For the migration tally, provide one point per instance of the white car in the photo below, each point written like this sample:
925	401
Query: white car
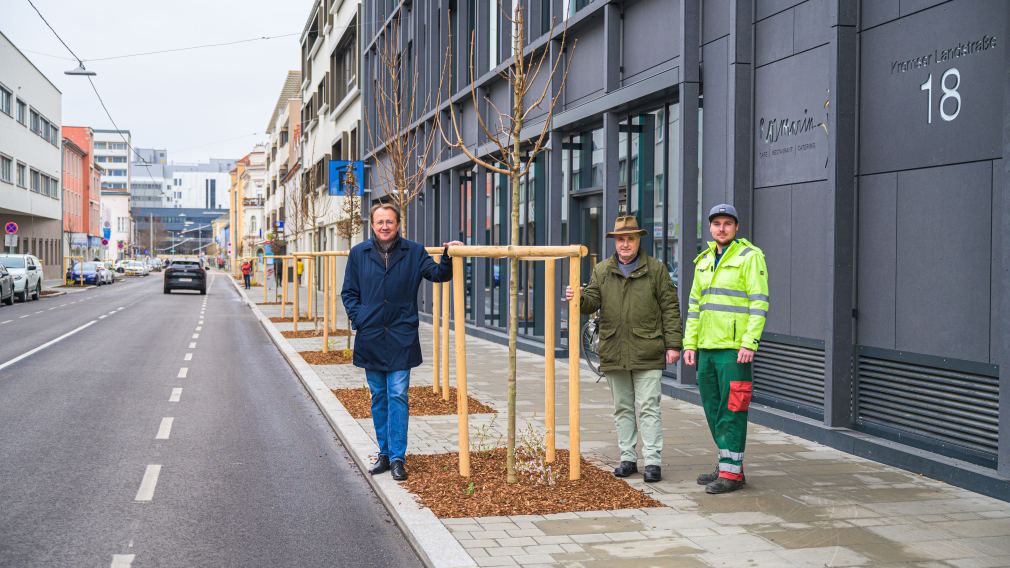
27	272
135	268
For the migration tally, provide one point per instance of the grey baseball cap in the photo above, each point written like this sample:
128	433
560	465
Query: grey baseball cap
723	209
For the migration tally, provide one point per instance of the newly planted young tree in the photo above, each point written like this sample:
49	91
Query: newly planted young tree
514	155
350	222
404	150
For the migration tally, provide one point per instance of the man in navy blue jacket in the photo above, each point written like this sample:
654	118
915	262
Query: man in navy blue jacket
380	296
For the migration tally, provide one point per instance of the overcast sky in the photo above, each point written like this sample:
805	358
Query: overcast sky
199	104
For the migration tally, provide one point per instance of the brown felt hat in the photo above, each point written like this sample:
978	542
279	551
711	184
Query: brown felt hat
626	225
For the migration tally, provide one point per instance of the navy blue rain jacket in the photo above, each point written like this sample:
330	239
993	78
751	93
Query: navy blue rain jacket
382	302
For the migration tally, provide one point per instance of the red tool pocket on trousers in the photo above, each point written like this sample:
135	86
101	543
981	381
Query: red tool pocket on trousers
739	395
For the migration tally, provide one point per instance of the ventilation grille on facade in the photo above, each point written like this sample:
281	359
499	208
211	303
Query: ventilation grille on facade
952	407
791	373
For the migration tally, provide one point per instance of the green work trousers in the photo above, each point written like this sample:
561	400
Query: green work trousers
725	387
643	388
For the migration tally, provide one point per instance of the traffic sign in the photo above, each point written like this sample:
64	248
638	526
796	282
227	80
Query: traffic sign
120	245
105	242
11	228
10	240
107	225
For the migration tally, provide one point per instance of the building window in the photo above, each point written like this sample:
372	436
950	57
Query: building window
6	165
493	45
5	100
36	181
22	112
22	175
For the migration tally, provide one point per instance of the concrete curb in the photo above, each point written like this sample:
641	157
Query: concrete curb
432	541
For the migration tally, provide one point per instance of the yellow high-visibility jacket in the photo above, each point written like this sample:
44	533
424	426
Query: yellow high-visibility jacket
729	302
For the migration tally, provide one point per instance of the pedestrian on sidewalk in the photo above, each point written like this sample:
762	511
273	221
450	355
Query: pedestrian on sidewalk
639	335
726	315
381	281
247	273
299	266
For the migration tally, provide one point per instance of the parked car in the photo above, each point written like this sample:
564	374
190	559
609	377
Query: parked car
111	269
185	275
86	272
155	264
6	286
27	272
135	268
105	275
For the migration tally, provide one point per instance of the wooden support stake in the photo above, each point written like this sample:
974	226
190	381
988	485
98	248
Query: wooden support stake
310	285
326	305
549	323
264	269
295	304
462	412
574	435
436	324
445	341
284	284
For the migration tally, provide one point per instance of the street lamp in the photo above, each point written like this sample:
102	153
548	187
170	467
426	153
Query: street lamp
80	71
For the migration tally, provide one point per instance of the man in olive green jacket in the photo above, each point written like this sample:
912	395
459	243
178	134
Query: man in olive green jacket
639	335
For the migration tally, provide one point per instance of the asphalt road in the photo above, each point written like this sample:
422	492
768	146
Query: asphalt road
157	430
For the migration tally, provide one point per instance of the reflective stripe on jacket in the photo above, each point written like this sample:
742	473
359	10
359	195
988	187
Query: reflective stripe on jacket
729	302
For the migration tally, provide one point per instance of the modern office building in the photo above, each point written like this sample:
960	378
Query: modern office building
863	142
112	153
31	158
175	230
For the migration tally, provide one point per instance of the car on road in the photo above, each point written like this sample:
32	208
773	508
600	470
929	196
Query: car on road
185	275
86	272
27	272
135	268
6	286
155	264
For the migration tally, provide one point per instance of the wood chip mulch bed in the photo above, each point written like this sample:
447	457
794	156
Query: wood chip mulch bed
268	303
435	481
310	333
423	402
334	357
278	319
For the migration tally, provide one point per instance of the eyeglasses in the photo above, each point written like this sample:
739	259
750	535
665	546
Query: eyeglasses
385	223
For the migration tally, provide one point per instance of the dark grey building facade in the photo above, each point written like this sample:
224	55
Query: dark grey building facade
865	144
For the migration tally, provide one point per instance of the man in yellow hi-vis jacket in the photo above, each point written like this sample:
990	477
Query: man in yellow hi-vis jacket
726	315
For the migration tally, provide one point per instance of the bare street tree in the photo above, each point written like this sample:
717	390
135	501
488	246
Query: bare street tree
513	155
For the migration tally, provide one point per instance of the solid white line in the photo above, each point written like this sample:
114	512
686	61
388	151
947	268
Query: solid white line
183	372
188	357
39	312
46	344
6	321
165	430
103	316
176	395
61	305
122	560
112	312
196	336
52	308
192	345
24	316
147	485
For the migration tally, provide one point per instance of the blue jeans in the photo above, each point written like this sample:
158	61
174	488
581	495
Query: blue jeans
389	411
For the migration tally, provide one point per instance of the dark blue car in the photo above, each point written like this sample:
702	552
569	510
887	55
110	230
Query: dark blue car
91	275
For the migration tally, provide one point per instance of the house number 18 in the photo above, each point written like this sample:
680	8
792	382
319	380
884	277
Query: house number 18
948	94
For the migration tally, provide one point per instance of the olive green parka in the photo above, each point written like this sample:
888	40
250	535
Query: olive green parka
639	315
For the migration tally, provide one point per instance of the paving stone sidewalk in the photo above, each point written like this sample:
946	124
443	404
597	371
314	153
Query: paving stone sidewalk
805	505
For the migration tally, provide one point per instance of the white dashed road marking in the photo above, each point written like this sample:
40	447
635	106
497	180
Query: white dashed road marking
188	357
183	372
199	328
122	560
103	316
196	336
192	345
176	395
165	430
147	485
7	321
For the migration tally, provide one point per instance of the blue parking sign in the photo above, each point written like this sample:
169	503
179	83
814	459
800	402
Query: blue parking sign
338	171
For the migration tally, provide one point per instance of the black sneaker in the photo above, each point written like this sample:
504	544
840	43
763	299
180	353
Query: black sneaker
652	474
706	478
723	485
625	469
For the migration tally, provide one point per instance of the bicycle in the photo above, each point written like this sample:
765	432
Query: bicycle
590	337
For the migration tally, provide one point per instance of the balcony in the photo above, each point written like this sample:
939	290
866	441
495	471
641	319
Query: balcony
252	201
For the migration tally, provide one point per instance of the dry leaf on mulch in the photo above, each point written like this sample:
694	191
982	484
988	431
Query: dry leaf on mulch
435	481
278	319
310	333
423	402
334	357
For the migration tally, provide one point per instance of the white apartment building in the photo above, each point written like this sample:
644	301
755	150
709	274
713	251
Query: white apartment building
200	186
283	153
31	158
330	117
112	152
